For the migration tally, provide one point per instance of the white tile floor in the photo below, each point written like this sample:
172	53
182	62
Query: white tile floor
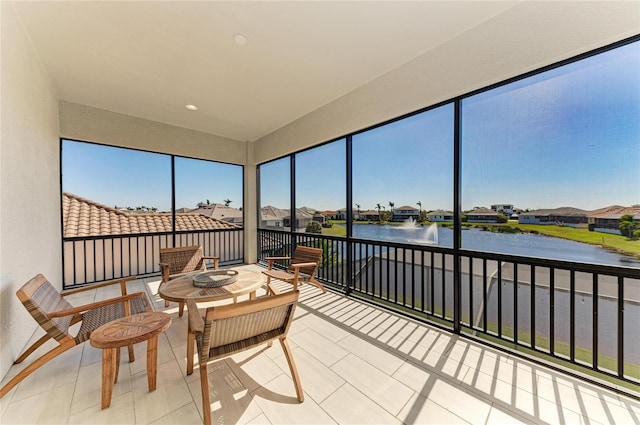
357	364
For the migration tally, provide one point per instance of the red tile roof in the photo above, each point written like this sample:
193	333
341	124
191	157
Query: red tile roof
82	217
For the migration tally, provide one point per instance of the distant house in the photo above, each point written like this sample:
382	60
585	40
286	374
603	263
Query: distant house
404	213
330	215
342	214
440	216
272	217
607	220
370	215
506	209
565	216
482	215
221	212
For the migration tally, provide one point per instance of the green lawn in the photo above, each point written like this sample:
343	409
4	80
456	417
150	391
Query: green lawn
615	242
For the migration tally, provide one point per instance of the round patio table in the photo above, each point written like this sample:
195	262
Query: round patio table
181	288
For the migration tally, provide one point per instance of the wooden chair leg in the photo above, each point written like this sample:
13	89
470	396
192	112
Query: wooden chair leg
292	367
318	284
34	347
34	366
191	340
132	357
206	403
181	310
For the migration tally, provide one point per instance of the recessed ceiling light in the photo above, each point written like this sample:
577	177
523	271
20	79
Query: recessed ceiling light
240	39
191	107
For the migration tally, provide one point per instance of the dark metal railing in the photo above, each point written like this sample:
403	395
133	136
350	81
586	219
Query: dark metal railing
583	314
99	258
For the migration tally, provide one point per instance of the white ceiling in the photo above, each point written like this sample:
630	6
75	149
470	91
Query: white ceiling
150	59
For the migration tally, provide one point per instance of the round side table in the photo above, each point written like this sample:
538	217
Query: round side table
125	331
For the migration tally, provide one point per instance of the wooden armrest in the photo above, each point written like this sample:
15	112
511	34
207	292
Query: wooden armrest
122	281
298	265
163	264
210	258
196	324
272	290
83	308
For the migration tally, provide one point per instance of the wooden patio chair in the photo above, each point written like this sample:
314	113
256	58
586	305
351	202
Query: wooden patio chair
232	328
56	315
178	261
302	268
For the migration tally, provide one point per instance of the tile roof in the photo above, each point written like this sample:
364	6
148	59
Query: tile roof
562	211
617	212
82	217
482	211
218	211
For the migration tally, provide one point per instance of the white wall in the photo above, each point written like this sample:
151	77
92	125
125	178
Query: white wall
88	124
30	239
533	34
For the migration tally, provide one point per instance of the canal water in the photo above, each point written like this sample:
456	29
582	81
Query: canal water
526	244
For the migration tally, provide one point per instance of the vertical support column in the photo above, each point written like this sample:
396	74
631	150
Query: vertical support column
251	208
173	200
292	207
350	254
457	220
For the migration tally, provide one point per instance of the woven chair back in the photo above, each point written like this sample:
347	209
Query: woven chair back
40	299
233	328
305	254
183	259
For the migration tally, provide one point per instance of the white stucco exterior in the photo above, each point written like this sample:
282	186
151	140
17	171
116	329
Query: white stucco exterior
30	236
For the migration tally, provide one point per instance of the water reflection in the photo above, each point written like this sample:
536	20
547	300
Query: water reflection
525	244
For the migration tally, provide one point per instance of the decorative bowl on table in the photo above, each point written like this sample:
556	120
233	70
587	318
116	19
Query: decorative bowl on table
215	278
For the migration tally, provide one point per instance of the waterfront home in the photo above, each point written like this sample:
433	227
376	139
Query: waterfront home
404	213
370	215
565	216
506	209
342	214
440	216
607	220
482	215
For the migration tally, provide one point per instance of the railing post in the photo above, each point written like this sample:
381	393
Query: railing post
348	279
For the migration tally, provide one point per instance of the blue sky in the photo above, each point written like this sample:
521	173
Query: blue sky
130	178
568	137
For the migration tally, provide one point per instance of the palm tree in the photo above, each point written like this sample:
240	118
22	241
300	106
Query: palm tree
358	207
419	204
227	202
378	208
391	205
